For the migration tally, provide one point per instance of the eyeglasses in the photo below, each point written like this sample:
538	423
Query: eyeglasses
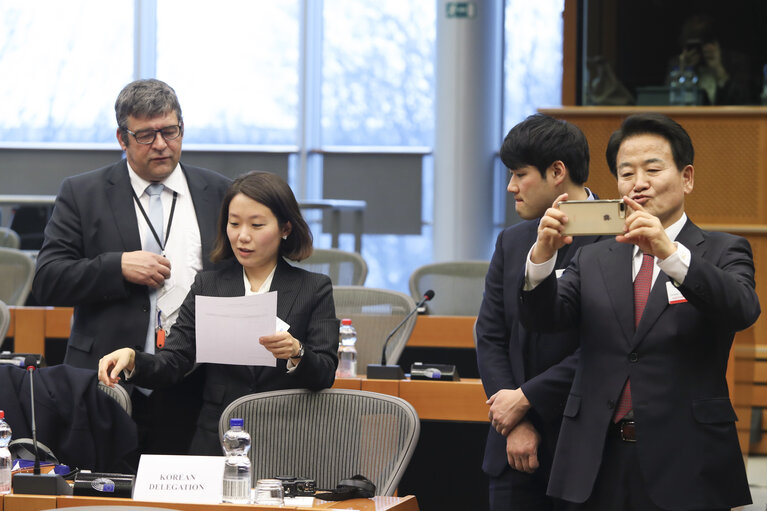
146	137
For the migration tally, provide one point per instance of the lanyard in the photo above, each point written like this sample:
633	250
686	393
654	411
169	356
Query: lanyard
149	223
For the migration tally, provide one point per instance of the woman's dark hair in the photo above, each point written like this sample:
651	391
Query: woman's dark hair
274	193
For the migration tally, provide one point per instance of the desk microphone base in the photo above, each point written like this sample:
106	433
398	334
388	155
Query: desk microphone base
385	372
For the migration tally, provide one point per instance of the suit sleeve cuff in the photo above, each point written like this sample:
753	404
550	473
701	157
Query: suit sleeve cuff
537	273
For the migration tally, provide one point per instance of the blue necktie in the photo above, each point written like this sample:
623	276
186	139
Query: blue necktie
150	244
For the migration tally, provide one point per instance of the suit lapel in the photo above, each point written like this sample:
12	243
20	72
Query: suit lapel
518	344
566	253
286	282
205	206
691	237
120	200
616	271
231	281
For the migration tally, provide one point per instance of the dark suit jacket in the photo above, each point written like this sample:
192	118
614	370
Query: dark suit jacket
93	223
687	445
304	301
509	356
84	427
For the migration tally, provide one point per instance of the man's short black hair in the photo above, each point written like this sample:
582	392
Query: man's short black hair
540	140
652	124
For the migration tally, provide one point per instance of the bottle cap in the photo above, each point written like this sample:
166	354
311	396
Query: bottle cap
346	321
234	423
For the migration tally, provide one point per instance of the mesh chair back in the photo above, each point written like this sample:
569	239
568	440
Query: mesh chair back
119	394
328	435
343	268
16	273
458	286
374	314
5	320
9	238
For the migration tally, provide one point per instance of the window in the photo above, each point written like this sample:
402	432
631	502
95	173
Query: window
62	64
533	58
237	68
378	89
234	68
378	73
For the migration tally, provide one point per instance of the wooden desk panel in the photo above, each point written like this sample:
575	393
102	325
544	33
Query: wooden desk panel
30	326
40	502
443	332
35	324
447	400
462	401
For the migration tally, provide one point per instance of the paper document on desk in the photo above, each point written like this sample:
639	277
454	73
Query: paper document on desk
228	328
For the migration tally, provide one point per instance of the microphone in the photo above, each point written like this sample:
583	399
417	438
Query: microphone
31	365
37	483
394	372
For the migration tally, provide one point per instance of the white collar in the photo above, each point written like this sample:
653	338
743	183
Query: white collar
174	182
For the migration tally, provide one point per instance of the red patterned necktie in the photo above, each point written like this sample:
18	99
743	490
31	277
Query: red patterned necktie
642	285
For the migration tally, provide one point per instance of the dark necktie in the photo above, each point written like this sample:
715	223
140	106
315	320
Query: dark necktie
642	285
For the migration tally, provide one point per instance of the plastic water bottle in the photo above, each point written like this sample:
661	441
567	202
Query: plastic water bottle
675	84
347	350
5	455
690	86
237	466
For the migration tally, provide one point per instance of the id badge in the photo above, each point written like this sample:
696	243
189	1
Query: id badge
170	299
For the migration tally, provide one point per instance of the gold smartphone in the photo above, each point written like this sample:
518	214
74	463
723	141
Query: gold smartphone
590	217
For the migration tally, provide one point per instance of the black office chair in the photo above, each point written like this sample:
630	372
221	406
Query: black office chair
29	223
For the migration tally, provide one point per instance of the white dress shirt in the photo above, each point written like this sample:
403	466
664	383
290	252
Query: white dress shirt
184	245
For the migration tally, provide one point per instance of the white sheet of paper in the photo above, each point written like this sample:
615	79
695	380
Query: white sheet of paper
191	479
228	328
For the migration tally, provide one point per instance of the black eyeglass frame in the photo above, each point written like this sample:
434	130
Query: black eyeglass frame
138	133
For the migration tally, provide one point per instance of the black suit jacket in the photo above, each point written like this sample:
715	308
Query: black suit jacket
304	301
83	427
687	444
93	223
510	356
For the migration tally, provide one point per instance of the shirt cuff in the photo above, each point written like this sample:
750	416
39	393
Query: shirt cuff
537	273
291	365
677	264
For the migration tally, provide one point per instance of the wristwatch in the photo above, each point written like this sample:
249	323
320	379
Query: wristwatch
300	350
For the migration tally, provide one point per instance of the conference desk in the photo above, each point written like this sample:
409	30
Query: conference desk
462	401
30	326
449	410
41	502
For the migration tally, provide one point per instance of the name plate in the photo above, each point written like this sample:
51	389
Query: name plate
188	479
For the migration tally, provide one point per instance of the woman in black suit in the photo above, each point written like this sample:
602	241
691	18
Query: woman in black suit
260	224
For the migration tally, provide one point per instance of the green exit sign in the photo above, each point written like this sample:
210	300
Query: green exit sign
461	9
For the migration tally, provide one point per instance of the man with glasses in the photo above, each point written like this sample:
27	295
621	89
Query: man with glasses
122	247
